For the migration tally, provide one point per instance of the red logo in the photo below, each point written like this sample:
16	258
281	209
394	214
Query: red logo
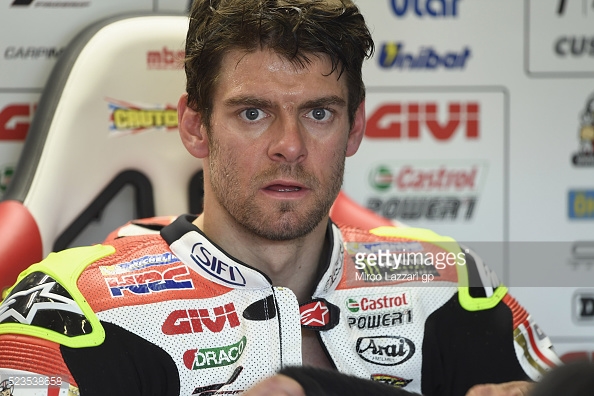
389	121
315	314
184	321
165	59
439	179
15	120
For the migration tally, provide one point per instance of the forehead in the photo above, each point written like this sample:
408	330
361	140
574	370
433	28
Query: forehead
266	73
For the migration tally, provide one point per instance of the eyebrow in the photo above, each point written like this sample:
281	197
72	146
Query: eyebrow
251	101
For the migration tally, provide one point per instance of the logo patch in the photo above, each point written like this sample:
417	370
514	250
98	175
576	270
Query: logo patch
315	313
138	264
371	304
227	273
165	59
391	120
184	321
392	380
152	281
392	55
196	359
580	204
385	350
374	321
319	314
128	118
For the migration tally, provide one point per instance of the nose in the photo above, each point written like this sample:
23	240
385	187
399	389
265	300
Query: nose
288	142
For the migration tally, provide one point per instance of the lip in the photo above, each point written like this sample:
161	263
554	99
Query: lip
285	189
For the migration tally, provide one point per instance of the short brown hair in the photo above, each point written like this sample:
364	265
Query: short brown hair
292	28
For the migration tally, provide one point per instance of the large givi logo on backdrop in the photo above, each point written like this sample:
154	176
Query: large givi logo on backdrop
416	120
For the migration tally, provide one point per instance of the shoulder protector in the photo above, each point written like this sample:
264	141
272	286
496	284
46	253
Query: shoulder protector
45	301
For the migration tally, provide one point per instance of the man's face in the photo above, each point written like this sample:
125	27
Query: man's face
277	142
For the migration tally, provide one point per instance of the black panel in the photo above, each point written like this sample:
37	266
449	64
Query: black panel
263	309
125	364
464	348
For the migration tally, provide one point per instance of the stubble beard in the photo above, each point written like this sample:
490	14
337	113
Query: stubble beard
282	221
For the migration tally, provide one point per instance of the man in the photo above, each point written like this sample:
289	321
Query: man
262	281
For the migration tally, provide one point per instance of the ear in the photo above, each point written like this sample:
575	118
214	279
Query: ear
191	130
357	131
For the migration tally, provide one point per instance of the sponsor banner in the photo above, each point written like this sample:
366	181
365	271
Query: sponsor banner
15	119
449	175
431	190
559	37
16	113
584	157
581	255
28	55
425	8
395	55
165	59
551	264
61	4
582	307
126	117
580	204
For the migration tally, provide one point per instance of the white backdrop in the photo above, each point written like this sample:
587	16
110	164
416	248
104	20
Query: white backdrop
480	126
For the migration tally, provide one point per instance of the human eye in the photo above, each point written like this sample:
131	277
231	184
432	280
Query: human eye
252	114
320	114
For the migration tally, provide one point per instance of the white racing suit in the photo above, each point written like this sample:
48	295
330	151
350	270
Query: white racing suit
167	312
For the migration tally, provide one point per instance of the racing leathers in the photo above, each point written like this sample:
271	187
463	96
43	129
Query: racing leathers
165	311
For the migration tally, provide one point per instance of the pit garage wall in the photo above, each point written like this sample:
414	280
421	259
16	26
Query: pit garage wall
480	126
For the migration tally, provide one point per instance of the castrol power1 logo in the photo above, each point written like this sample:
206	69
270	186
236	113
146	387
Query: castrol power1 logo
426	189
428	178
373	303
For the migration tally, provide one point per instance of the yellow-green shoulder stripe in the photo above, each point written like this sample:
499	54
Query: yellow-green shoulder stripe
65	267
467	302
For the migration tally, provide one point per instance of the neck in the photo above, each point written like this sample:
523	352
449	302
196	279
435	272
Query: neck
292	264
